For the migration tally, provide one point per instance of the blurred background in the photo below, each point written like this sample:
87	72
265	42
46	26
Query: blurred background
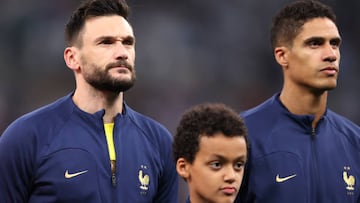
188	52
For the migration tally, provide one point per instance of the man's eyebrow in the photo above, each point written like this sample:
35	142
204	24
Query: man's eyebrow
110	37
316	38
104	37
129	37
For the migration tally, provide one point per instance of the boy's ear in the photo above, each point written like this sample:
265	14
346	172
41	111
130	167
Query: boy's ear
182	167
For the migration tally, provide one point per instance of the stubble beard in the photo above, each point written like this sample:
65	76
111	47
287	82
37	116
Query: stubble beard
101	79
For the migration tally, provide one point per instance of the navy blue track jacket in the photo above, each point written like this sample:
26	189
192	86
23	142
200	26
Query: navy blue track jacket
292	162
59	154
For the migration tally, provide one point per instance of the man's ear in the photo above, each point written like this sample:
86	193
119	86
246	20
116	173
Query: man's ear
182	167
71	57
281	56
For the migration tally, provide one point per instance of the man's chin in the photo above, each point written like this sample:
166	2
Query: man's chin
114	87
331	86
121	88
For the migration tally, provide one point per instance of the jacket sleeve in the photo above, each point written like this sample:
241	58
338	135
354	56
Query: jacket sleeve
16	163
168	185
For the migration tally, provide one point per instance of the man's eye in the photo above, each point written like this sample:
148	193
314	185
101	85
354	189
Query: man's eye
314	43
335	43
128	42
106	42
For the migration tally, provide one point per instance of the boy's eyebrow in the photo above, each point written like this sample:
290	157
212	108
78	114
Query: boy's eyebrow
242	157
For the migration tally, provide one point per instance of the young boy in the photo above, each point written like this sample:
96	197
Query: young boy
210	151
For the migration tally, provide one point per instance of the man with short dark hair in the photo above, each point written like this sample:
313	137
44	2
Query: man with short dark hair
90	146
301	151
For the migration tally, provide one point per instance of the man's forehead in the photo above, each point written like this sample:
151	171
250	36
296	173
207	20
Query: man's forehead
318	28
113	25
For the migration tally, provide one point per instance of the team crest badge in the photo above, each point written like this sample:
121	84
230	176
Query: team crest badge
144	179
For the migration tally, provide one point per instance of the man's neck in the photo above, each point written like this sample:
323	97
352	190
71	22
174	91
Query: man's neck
93	101
305	103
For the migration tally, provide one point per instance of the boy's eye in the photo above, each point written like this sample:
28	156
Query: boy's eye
238	165
215	165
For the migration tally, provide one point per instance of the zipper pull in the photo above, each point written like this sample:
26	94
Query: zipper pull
113	172
113	179
313	133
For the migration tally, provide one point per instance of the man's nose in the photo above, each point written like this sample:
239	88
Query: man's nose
121	52
331	53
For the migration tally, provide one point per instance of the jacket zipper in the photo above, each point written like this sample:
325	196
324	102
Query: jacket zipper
315	177
112	162
113	167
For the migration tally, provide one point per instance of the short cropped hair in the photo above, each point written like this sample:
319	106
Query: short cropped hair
89	9
205	120
288	22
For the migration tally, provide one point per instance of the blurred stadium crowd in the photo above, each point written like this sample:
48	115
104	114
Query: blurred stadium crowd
188	52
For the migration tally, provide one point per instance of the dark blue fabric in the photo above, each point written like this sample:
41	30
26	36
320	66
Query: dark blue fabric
39	148
291	162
